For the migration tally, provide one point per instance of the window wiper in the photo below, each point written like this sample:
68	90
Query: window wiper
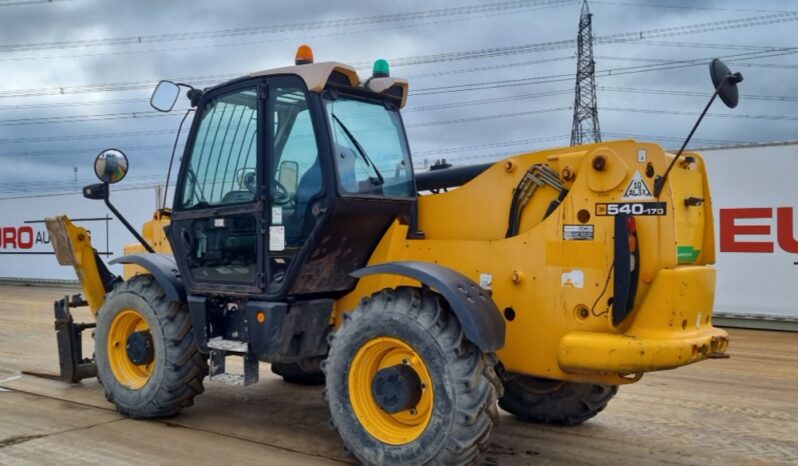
380	180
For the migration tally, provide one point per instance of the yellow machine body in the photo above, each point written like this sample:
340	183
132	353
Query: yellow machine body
552	289
549	287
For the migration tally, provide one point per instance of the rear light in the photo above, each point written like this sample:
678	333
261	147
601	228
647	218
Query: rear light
627	270
631	225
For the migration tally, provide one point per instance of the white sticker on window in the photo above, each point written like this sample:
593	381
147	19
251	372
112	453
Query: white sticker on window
277	215
486	281
277	238
573	279
218	222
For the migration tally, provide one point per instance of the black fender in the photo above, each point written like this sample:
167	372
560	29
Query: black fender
479	316
163	268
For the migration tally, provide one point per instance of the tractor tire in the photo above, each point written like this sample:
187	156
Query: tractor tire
305	372
554	402
449	399
164	336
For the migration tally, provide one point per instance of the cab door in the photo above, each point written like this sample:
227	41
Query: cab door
218	223
296	177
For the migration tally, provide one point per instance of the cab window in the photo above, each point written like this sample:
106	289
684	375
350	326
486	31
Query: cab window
223	161
370	148
296	170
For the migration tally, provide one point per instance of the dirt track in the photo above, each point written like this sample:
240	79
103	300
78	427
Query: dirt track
743	410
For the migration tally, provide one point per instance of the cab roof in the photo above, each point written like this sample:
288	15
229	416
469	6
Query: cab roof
317	75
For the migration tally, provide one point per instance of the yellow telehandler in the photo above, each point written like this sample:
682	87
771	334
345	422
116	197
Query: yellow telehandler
300	236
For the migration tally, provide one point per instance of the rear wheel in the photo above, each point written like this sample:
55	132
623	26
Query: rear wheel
304	372
406	387
554	402
146	357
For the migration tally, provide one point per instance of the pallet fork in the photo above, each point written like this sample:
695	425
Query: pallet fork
74	367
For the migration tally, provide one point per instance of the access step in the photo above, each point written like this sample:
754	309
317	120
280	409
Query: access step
230	346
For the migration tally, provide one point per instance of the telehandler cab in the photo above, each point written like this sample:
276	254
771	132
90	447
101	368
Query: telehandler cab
301	236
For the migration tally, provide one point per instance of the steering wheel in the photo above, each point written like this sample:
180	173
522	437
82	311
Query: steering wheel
281	195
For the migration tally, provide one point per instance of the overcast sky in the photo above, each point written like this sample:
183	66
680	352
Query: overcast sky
81	46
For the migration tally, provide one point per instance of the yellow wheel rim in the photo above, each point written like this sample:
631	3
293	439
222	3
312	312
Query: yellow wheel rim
404	426
131	375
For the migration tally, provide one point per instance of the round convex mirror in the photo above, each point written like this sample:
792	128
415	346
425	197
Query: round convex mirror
164	96
111	166
725	82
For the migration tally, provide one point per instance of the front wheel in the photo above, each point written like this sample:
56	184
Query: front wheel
404	385
146	357
554	402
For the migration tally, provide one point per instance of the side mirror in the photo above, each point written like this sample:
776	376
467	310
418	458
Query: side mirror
288	175
725	82
164	96
110	166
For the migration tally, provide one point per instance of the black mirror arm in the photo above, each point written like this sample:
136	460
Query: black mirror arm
659	181
106	199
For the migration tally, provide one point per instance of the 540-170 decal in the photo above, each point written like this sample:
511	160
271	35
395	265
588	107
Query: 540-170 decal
612	209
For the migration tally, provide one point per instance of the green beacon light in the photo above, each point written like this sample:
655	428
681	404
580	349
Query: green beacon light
381	69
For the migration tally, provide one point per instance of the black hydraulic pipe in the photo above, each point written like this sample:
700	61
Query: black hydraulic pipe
449	177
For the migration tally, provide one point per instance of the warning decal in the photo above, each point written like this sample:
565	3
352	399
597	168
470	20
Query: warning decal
577	232
637	188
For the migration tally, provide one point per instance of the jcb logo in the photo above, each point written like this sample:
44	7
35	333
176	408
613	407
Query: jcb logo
730	230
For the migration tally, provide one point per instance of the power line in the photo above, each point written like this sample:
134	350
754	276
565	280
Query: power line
74	137
706	45
518	142
466	103
80	103
84	118
442	89
30	2
147	100
486	117
301	38
685	7
446	57
605	73
45	153
279	28
718	115
710	26
488	68
649	137
776	98
665	61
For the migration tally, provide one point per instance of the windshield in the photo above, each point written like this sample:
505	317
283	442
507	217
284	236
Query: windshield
370	148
